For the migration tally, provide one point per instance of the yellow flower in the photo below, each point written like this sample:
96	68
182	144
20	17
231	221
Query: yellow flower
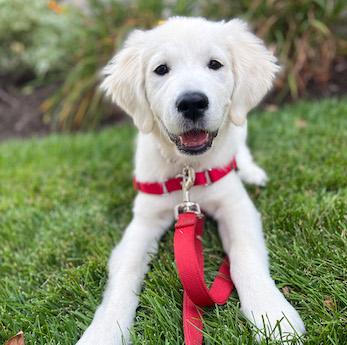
55	7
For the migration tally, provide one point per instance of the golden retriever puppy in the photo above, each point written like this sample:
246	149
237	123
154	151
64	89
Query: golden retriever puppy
188	84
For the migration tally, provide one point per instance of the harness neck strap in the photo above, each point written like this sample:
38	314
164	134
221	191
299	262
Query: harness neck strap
205	177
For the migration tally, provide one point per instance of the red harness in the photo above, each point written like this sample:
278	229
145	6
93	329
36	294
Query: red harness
205	177
189	255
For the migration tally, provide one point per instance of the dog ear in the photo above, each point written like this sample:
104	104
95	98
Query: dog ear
254	69
124	81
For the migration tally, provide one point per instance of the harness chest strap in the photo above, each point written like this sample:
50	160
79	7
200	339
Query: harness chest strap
205	177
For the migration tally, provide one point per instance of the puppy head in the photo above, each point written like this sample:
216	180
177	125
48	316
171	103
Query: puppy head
190	76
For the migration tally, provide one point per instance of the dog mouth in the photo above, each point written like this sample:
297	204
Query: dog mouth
194	142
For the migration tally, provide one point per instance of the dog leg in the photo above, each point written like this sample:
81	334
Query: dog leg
261	302
127	267
249	171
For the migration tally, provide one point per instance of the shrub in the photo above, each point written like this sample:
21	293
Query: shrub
32	37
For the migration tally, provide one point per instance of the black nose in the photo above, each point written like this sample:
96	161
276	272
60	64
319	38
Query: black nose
192	105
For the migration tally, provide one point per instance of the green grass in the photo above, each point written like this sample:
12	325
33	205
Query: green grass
65	201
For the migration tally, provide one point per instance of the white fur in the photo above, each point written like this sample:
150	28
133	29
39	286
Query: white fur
187	46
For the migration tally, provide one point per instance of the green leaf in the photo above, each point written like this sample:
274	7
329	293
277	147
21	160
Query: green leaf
320	26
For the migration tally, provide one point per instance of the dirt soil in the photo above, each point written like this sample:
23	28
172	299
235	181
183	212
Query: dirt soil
20	114
21	117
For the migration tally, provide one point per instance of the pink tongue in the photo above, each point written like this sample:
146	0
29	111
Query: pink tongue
194	138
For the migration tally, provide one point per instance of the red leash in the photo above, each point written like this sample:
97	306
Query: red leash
190	265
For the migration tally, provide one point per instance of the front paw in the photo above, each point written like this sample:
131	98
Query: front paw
103	334
276	319
252	174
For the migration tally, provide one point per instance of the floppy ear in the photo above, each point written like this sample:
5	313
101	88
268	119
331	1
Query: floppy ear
124	81
254	69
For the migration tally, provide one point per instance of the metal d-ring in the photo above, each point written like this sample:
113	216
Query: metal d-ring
188	180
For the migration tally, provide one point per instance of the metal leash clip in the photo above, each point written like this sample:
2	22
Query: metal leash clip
187	206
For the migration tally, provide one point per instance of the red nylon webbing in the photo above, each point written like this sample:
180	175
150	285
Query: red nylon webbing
190	265
201	178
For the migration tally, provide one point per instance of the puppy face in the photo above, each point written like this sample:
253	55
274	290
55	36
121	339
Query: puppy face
190	77
189	83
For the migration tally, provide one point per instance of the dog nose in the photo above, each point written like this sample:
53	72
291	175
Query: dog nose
192	105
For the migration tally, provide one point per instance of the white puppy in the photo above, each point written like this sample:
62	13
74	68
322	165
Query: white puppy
188	84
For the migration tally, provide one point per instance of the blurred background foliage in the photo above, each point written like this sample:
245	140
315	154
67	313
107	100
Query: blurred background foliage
71	41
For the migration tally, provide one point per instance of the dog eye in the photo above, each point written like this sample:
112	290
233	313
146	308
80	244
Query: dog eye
214	64
161	70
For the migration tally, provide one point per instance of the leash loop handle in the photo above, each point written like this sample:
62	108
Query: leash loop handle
190	263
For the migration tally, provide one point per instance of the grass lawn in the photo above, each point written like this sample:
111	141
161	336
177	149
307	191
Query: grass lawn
65	201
